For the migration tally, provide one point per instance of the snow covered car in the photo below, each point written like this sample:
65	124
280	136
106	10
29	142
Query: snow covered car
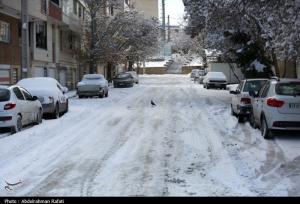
134	75
276	106
241	105
18	108
215	79
123	80
194	73
49	92
92	85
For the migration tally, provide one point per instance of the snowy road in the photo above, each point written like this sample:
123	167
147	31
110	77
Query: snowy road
188	145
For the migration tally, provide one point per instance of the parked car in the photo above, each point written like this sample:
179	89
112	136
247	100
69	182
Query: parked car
215	79
201	76
241	105
49	92
18	108
92	85
134	75
194	73
276	106
123	80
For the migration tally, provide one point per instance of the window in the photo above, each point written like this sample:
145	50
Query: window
41	35
44	6
75	5
111	10
264	91
4	95
288	88
253	85
18	93
4	32
55	2
80	11
27	95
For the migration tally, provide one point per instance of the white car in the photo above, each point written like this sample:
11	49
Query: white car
134	75
49	92
18	108
92	85
277	106
215	79
241	105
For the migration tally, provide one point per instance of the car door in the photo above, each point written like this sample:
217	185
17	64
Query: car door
259	102
31	109
22	105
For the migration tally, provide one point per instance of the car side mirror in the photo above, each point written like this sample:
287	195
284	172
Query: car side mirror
34	98
65	90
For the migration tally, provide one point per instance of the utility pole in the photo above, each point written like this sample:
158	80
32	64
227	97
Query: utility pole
164	20
25	40
169	29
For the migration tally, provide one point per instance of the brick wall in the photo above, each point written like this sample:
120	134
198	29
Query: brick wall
10	52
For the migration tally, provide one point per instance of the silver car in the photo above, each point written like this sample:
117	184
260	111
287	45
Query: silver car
92	85
18	108
277	106
134	75
241	105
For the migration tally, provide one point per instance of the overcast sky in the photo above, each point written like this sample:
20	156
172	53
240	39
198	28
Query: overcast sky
175	9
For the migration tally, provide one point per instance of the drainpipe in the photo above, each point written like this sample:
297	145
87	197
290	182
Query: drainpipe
25	40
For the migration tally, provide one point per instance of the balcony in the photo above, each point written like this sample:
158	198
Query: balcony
55	11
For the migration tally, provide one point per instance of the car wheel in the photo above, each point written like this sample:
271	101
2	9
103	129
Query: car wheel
80	96
55	114
39	117
241	118
207	86
18	126
265	131
67	107
101	95
106	95
232	111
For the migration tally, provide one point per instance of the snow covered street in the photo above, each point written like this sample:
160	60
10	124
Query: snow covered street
187	145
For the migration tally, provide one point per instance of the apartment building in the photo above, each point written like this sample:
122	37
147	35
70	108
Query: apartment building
148	7
54	32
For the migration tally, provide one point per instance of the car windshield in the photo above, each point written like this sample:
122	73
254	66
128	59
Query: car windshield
254	85
216	74
123	76
288	88
92	77
4	95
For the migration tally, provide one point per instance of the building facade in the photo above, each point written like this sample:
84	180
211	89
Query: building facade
148	7
54	34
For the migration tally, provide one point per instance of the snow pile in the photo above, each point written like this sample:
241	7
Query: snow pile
257	65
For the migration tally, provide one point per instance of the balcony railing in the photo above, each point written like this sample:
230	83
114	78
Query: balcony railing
55	11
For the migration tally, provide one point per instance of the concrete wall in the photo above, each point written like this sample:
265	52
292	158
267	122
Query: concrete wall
152	70
148	7
188	69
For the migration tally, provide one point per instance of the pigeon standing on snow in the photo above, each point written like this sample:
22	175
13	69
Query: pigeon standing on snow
152	103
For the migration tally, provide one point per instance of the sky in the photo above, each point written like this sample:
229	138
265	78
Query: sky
175	9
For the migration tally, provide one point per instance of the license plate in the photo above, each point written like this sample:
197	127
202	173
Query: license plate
121	84
294	105
217	85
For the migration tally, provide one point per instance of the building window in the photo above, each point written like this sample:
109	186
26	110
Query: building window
75	5
44	6
80	11
127	2
41	35
83	13
4	32
111	10
55	2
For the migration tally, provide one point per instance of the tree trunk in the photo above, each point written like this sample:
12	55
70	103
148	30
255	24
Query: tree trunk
130	65
93	65
275	63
